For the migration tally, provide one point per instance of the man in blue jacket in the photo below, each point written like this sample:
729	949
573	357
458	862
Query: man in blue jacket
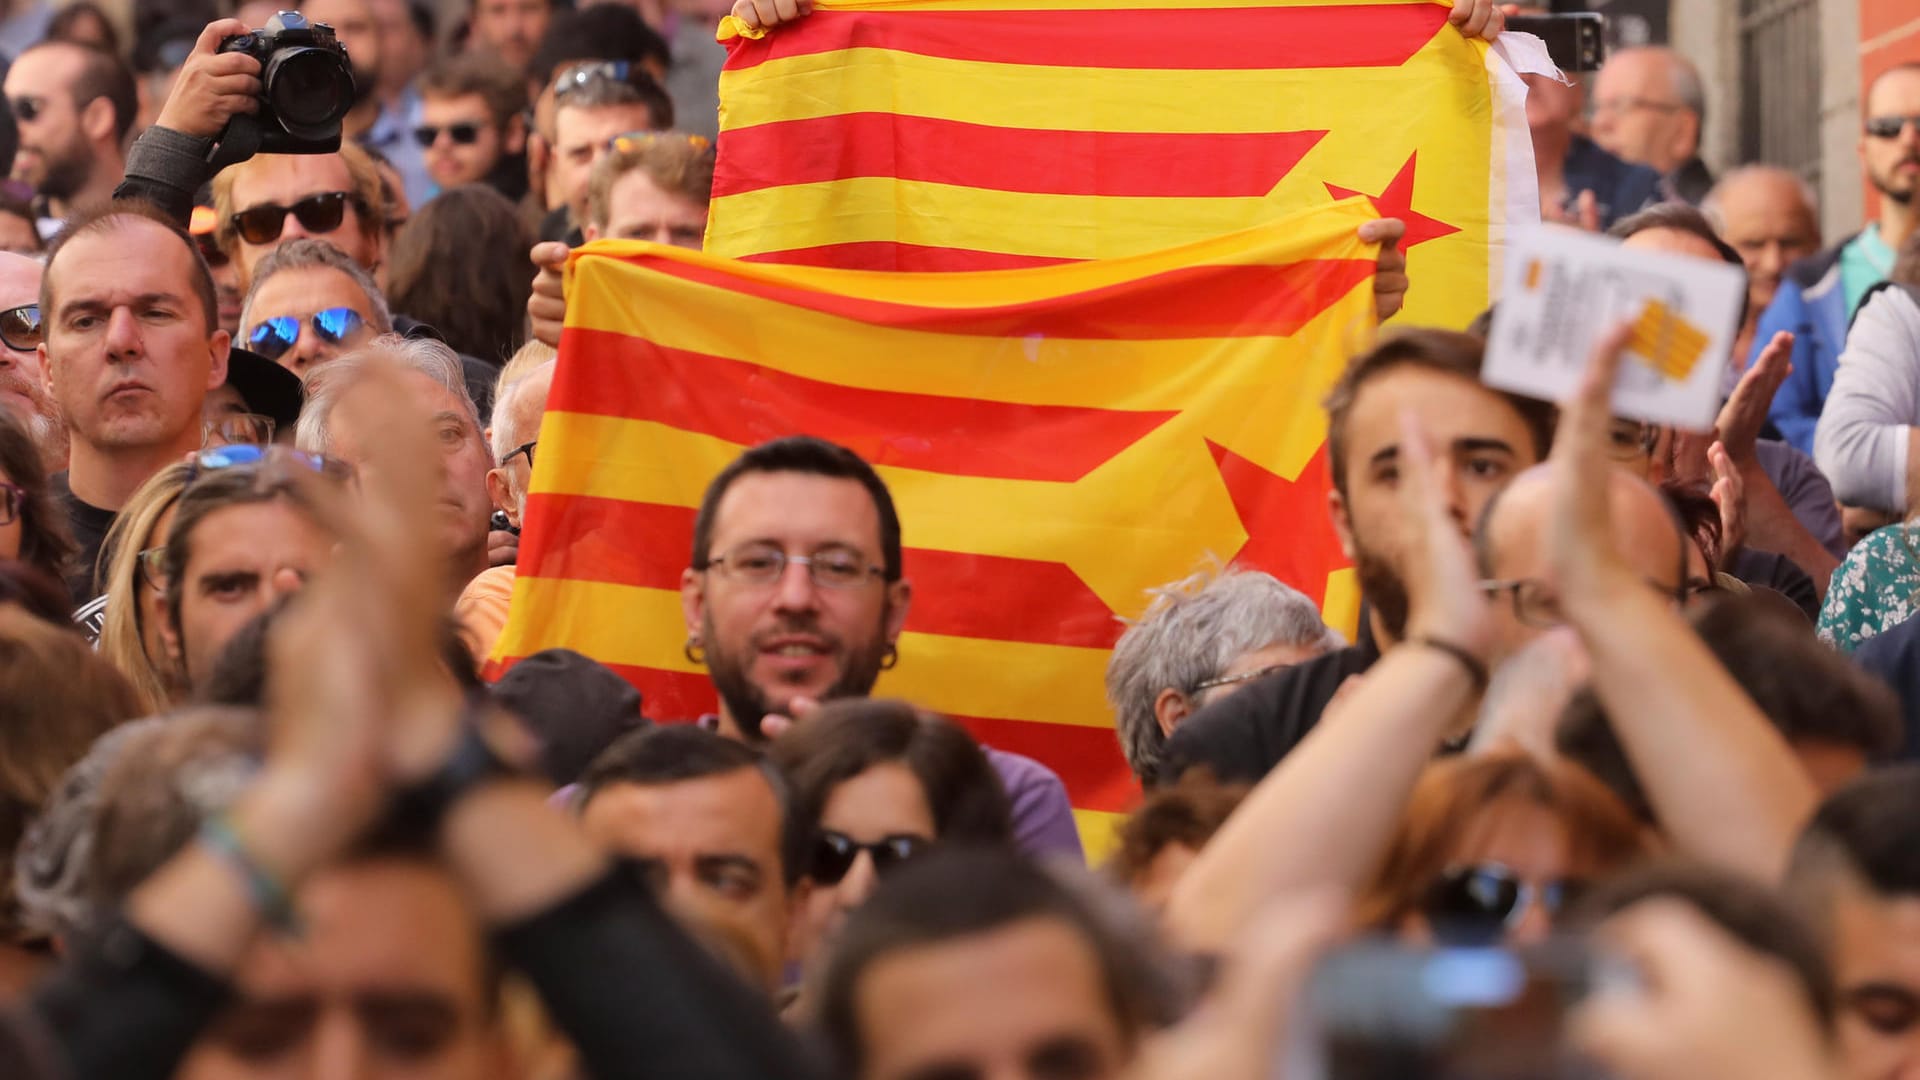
1819	295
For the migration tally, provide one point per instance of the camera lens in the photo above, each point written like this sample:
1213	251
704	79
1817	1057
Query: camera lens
308	88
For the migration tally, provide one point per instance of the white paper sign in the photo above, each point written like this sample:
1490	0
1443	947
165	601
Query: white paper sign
1565	289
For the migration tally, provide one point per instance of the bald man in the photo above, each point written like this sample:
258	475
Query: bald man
1648	108
1511	546
1771	217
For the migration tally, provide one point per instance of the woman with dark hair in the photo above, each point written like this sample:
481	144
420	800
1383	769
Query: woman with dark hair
458	266
32	528
882	782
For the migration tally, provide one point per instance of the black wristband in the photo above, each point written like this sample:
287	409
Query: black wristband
1476	667
472	762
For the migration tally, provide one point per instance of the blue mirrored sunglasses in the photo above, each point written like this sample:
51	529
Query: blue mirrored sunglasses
272	338
237	454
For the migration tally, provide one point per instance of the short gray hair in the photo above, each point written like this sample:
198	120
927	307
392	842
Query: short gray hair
329	381
503	412
1191	631
307	253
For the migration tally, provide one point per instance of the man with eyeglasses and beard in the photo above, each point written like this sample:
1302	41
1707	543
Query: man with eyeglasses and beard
796	596
74	105
22	389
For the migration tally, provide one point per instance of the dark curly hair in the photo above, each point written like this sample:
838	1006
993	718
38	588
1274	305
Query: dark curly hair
45	541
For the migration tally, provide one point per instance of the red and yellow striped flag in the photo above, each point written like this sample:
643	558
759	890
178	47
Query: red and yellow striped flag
991	134
1060	435
1057	441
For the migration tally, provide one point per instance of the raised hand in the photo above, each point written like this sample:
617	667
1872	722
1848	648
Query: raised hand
1744	415
767	14
1478	18
1390	272
212	86
1443	590
1582	558
547	307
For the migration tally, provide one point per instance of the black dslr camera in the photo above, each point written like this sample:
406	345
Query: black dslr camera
306	90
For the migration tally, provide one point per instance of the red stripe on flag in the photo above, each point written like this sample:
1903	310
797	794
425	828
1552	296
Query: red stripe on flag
1087	759
955	594
748	404
1218	39
922	148
1188	302
889	255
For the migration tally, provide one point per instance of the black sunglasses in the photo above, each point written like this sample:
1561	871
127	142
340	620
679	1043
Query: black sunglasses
272	337
834	854
320	213
20	328
464	133
1889	127
1476	905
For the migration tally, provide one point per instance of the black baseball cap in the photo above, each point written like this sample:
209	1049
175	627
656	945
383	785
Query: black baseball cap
266	387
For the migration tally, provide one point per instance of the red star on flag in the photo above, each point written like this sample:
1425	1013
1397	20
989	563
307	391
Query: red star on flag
1397	202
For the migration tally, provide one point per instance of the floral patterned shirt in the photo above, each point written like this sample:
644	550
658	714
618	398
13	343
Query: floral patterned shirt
1875	589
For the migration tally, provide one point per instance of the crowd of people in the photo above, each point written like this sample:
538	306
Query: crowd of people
267	430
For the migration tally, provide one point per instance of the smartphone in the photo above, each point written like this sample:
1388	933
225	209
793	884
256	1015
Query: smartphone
1380	1010
1576	41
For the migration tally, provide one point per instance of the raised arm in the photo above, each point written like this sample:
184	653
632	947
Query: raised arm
1722	781
1864	441
1324	818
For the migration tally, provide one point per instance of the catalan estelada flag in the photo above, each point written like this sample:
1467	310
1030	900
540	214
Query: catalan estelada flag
1131	272
991	134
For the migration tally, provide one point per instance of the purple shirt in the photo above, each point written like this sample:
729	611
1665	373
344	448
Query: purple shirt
1043	825
1042	815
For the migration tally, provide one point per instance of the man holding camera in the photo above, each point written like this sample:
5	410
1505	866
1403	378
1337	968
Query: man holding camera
332	196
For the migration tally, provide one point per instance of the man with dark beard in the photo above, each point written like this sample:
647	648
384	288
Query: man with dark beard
74	105
1819	295
795	596
1483	437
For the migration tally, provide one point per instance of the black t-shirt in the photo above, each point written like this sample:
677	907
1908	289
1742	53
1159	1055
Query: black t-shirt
1767	570
1242	736
90	525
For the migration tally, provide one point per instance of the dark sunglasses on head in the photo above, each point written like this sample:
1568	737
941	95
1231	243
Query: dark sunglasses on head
464	133
1477	905
320	213
834	854
272	338
1889	127
20	328
574	77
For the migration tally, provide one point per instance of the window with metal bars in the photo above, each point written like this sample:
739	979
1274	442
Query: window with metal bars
1780	84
